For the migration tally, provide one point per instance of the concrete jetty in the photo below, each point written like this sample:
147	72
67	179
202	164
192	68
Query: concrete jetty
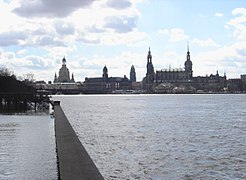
73	160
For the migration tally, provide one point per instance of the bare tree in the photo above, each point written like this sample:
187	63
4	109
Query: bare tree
7	73
29	77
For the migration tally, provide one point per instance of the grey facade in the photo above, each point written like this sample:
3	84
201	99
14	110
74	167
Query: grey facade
106	84
212	83
181	79
178	75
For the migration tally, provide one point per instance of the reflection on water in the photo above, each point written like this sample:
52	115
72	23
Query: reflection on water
27	147
162	136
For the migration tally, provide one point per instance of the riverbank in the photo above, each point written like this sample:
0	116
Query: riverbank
73	160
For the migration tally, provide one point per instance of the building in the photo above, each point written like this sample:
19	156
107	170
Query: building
181	80
172	80
64	76
132	74
176	75
65	88
149	79
63	84
212	83
234	85
106	84
243	79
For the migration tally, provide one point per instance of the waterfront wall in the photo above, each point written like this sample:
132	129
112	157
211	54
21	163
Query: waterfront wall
73	160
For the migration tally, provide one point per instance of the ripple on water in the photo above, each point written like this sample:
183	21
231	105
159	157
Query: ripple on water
162	136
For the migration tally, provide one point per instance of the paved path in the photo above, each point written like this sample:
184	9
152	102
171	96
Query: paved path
74	162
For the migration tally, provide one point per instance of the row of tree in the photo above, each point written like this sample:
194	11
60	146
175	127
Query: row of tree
10	84
25	77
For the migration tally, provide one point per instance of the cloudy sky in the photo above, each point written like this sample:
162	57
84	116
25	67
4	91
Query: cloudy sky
36	34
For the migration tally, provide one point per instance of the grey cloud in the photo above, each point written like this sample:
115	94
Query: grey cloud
50	8
36	62
49	41
12	38
122	4
233	62
94	29
39	32
121	24
64	28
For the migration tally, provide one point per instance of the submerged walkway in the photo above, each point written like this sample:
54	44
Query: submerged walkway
73	160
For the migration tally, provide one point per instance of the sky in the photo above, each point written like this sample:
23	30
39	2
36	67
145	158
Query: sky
36	34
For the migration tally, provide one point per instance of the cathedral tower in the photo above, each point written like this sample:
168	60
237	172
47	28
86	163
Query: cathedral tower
133	74
188	65
150	67
150	75
105	72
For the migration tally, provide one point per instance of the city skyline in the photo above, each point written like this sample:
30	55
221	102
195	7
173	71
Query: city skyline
91	34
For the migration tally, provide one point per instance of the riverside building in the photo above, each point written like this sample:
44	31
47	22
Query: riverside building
63	84
180	80
106	84
64	76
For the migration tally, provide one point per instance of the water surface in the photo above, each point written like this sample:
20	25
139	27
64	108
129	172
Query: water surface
162	136
27	147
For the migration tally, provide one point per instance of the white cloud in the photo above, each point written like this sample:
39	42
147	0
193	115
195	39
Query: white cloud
56	31
118	65
133	38
163	31
238	23
230	59
169	59
22	52
104	22
8	19
175	34
121	24
42	66
219	14
239	11
205	43
64	28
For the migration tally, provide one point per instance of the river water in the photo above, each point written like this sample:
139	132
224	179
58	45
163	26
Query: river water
134	137
27	147
162	136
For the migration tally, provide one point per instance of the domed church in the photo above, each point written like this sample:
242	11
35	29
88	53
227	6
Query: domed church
64	76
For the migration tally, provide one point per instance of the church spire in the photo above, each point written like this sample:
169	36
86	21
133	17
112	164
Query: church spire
188	49
55	78
105	72
150	67
132	74
72	79
188	52
149	57
188	64
150	74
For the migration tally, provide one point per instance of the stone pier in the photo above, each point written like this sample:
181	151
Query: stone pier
73	160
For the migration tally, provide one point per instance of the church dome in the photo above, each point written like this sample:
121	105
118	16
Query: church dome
64	61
